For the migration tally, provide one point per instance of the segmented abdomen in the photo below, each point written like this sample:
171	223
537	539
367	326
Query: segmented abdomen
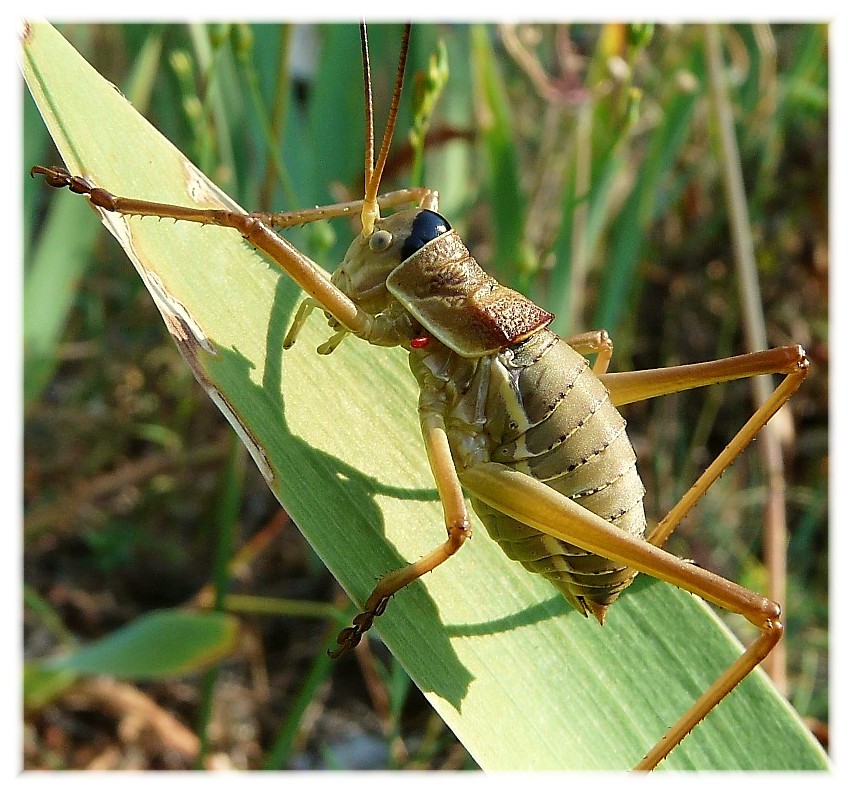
549	417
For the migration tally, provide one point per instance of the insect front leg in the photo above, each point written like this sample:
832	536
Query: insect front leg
423	196
303	270
533	503
456	519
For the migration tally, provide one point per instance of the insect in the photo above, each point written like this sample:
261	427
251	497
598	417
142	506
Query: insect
476	349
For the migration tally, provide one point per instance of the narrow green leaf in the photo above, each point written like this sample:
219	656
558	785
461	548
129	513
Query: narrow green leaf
42	685
63	253
508	204
524	681
60	257
161	644
629	230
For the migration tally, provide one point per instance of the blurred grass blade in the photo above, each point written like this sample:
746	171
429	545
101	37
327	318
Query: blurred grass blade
523	681
42	685
780	430
644	203
508	204
63	253
162	644
284	744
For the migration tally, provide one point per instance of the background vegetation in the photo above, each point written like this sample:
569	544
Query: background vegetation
131	474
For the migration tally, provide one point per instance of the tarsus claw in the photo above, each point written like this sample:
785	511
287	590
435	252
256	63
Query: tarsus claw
350	637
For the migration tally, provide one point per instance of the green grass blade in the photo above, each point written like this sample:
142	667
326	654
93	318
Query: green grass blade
59	259
160	644
63	253
628	232
508	204
524	681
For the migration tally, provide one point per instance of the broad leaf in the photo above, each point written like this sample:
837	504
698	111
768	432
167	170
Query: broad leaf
524	681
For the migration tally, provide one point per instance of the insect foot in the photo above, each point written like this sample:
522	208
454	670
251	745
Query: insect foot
350	637
58	177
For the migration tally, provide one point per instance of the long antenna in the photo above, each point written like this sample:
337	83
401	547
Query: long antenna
369	148
372	172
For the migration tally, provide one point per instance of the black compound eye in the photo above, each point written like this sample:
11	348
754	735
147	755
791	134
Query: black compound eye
380	241
427	226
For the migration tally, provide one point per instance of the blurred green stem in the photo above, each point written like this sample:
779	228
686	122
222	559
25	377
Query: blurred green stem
227	515
775	531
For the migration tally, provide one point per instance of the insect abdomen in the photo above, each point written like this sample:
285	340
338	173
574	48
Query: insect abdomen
550	418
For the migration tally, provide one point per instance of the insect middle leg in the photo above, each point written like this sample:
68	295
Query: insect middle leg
456	519
594	342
